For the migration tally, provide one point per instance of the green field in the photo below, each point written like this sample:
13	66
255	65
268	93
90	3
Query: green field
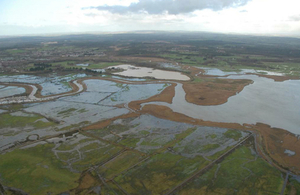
9	121
242	172
15	51
36	171
159	174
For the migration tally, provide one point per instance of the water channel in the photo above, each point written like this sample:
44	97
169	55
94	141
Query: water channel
265	101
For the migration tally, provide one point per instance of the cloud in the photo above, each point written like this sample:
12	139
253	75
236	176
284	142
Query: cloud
91	15
295	18
173	7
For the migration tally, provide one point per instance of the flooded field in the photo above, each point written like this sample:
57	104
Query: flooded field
52	84
218	72
148	133
94	85
10	91
115	149
136	92
69	135
73	111
134	71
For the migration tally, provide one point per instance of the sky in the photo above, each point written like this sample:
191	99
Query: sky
256	17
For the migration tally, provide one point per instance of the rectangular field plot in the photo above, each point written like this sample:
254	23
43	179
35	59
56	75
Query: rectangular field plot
71	113
87	97
54	165
160	173
145	133
120	163
208	141
242	172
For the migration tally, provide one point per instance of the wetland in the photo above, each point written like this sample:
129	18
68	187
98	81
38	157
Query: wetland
128	114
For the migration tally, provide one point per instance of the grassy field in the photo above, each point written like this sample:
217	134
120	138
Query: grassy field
233	134
50	173
236	62
160	173
119	164
36	171
242	172
7	120
160	166
293	187
86	153
65	64
15	51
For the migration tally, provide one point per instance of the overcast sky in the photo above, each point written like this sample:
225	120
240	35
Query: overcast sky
263	17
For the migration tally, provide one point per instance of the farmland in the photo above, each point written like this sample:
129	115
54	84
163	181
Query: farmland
202	114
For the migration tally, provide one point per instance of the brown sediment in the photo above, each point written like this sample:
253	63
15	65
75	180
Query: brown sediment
214	91
194	71
166	113
275	141
102	124
165	96
108	79
278	78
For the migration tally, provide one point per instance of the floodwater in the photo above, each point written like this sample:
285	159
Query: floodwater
87	97
103	86
130	93
54	88
201	137
53	84
74	113
10	91
218	72
135	71
161	131
266	101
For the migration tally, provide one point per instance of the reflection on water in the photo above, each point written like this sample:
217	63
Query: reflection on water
218	72
134	71
265	101
52	84
10	91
